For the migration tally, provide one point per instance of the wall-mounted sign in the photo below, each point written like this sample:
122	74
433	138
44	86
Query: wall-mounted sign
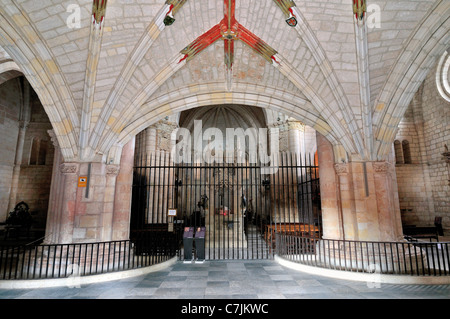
172	212
82	181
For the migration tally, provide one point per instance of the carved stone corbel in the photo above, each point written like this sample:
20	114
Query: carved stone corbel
381	167
112	170
69	168
341	169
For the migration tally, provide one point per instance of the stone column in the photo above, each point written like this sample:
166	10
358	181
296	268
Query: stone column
93	202
347	201
108	202
389	217
77	213
69	202
296	136
330	197
360	206
123	193
99	211
367	196
283	136
150	140
358	198
55	198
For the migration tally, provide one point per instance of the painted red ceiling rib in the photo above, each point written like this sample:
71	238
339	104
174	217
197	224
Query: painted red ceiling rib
286	7
98	11
229	30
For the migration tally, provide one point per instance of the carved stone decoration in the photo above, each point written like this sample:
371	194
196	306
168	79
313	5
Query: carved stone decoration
112	169
69	168
381	167
341	169
296	125
53	138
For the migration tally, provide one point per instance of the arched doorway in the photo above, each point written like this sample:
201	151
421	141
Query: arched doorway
241	198
26	161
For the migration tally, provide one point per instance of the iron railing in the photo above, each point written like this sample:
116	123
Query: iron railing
398	258
64	260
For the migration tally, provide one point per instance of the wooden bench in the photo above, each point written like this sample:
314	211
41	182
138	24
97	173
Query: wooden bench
306	236
412	232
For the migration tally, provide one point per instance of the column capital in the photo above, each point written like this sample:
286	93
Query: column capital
112	169
381	167
69	168
296	125
341	169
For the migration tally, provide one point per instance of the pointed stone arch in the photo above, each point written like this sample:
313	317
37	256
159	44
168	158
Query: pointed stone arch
26	48
9	70
333	121
426	45
296	107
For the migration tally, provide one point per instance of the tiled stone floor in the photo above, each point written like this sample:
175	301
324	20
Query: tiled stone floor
232	279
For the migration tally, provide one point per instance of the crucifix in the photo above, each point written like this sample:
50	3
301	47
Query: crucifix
229	30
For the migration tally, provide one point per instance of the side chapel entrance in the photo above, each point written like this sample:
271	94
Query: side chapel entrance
241	206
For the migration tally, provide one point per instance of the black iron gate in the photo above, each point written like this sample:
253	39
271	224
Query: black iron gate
241	205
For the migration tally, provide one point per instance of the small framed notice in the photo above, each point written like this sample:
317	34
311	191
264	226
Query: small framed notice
172	212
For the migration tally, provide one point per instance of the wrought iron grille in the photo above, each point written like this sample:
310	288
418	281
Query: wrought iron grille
241	205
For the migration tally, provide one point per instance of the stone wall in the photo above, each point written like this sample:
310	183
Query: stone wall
436	115
412	190
423	187
412	195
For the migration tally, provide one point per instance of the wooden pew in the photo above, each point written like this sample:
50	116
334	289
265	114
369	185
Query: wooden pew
290	228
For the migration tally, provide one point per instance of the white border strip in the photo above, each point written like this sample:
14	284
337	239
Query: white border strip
83	280
365	277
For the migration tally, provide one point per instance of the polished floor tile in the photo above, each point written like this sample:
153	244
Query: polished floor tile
231	279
